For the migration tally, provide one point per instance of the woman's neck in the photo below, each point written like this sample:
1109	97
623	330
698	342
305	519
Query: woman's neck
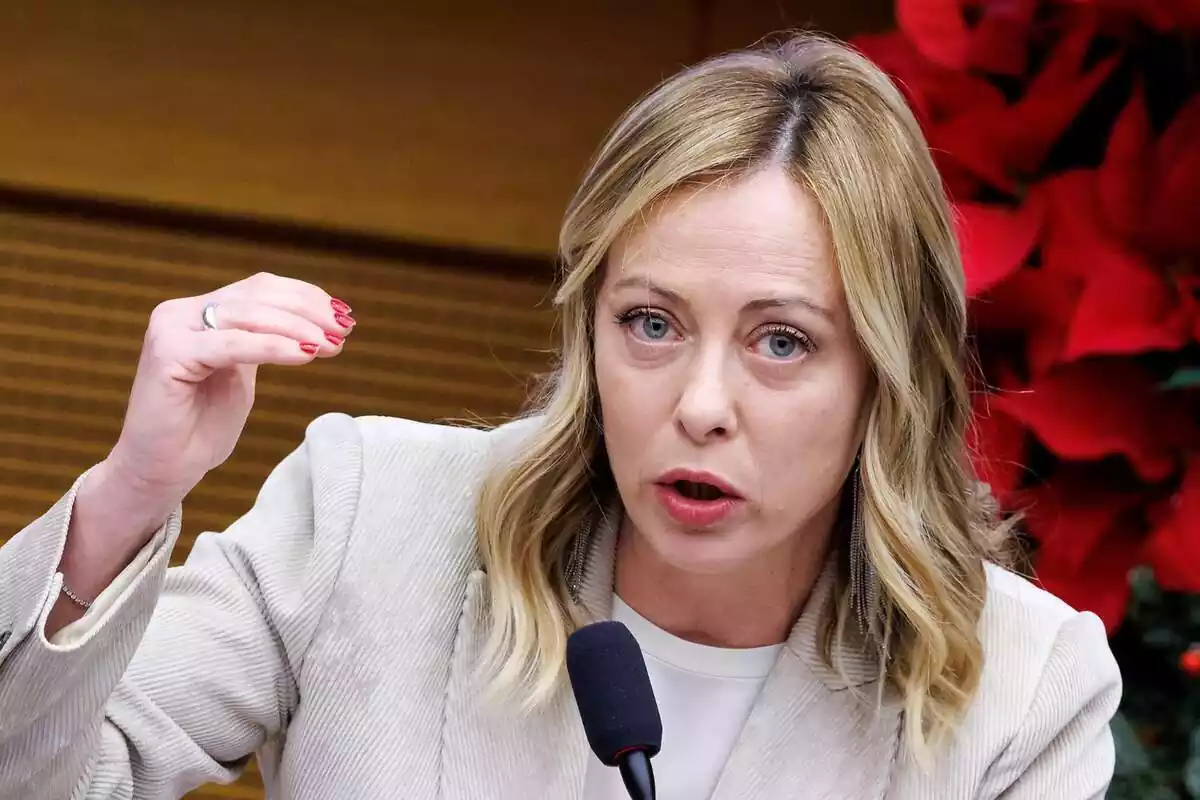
752	604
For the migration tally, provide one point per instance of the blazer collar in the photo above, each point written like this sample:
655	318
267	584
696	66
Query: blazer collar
812	726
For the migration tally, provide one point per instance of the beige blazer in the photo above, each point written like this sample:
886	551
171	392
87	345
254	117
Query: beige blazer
334	629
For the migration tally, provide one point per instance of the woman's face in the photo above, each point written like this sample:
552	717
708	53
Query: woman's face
730	381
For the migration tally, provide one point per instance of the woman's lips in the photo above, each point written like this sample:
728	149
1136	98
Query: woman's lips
695	513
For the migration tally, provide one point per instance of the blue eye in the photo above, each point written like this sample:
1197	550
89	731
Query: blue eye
646	324
653	327
783	343
782	346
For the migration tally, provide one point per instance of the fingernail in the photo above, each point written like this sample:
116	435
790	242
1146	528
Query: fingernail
339	306
309	348
334	339
343	320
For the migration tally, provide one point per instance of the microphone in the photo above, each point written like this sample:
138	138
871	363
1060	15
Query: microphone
616	702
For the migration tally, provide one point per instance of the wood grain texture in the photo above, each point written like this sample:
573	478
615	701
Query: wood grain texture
432	343
465	123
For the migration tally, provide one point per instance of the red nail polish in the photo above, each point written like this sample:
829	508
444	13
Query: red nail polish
309	348
343	320
334	339
339	306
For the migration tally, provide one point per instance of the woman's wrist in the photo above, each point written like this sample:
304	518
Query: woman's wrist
114	516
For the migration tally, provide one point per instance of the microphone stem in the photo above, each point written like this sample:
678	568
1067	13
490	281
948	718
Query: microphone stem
637	774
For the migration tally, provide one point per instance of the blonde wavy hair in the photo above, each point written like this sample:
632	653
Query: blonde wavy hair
837	124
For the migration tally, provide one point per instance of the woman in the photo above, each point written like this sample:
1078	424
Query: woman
751	453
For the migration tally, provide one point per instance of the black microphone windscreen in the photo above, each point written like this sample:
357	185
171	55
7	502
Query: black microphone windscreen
613	692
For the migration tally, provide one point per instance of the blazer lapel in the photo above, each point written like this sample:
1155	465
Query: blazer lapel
494	750
814	733
511	753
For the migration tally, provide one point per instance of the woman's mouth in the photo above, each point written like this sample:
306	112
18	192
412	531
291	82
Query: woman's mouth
696	503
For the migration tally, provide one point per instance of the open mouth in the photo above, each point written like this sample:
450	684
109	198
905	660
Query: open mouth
698	491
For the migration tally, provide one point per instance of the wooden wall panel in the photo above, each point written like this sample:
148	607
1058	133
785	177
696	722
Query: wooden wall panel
431	343
465	123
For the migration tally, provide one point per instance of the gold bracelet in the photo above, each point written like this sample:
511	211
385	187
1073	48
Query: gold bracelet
74	598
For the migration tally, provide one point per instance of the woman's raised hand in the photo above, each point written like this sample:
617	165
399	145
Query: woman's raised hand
195	379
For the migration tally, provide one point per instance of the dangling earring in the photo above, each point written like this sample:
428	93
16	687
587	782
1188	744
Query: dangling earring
864	581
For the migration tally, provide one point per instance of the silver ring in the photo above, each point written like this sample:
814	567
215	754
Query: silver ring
208	317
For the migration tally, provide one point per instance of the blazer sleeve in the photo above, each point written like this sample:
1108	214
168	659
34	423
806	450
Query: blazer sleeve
181	673
1064	749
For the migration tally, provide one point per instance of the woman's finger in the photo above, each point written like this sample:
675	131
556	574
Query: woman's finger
208	351
299	297
237	314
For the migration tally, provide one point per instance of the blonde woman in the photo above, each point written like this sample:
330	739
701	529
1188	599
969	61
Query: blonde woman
751	453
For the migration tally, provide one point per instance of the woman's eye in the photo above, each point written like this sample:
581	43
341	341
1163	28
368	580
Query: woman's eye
648	326
783	344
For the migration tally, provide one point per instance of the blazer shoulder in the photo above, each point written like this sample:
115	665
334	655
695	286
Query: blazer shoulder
1010	594
382	436
1050	687
1021	624
1030	639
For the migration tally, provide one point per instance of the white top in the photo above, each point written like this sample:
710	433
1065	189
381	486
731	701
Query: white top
704	696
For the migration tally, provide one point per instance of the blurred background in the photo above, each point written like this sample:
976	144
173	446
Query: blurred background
415	159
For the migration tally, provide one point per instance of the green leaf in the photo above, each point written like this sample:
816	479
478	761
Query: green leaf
1183	378
1131	756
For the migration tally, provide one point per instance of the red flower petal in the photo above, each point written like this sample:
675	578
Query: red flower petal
1101	585
1094	409
1122	178
1173	216
1074	239
1000	145
1037	303
1174	548
997	446
1071	513
995	241
937	28
936	93
1128	307
999	40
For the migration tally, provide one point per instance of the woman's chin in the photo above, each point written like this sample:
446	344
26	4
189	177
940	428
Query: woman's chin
704	551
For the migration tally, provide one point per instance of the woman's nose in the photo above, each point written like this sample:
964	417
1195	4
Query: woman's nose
706	407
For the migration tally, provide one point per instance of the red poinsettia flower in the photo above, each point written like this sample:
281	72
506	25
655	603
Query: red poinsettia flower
934	93
995	241
1099	408
1174	547
1087	537
1004	145
938	30
1101	584
999	39
1149	190
996	42
1127	304
1129	307
1036	303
